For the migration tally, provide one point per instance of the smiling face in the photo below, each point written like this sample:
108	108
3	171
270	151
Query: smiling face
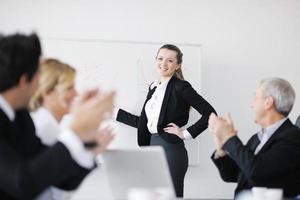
64	95
56	89
166	63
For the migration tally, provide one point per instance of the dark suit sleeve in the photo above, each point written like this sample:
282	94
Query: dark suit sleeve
228	169
26	179
73	182
128	118
201	105
260	168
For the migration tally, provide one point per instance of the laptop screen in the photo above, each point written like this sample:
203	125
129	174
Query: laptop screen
137	168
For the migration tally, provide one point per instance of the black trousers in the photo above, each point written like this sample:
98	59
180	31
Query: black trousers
177	158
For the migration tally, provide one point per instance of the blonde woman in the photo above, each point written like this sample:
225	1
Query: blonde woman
51	101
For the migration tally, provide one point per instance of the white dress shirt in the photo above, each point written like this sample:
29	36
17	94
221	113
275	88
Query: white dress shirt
7	109
47	128
153	106
265	134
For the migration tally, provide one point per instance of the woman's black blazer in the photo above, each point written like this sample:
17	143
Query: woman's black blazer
179	96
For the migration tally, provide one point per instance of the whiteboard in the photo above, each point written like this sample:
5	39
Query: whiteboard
128	68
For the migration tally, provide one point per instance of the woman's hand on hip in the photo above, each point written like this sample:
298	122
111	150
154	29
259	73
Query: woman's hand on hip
174	129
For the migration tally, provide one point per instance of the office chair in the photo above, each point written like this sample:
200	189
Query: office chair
298	121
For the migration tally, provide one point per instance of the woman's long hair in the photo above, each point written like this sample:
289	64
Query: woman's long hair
53	74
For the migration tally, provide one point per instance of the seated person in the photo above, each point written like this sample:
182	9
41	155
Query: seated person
50	102
271	158
28	167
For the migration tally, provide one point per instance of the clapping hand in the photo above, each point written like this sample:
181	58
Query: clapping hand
222	129
102	138
89	111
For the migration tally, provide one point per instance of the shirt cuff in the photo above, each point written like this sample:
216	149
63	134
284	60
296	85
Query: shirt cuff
83	157
216	156
115	113
187	135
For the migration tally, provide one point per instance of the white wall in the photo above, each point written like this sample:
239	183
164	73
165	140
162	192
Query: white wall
243	41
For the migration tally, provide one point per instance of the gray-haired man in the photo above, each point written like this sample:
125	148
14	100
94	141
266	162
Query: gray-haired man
271	158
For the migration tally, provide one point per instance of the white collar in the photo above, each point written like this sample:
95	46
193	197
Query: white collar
42	113
160	85
7	109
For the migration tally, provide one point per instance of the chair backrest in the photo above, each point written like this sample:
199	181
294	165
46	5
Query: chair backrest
298	121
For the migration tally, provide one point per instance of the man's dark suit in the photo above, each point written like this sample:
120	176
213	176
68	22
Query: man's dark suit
277	164
26	166
179	96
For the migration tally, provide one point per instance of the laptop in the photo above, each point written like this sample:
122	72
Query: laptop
128	169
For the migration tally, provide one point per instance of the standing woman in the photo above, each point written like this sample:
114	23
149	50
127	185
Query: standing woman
166	110
51	101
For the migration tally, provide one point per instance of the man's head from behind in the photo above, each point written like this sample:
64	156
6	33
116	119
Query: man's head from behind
274	99
19	60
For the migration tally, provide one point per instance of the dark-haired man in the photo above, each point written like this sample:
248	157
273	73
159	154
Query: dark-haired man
26	166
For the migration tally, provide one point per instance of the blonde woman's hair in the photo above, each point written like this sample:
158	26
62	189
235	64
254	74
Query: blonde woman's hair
54	74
